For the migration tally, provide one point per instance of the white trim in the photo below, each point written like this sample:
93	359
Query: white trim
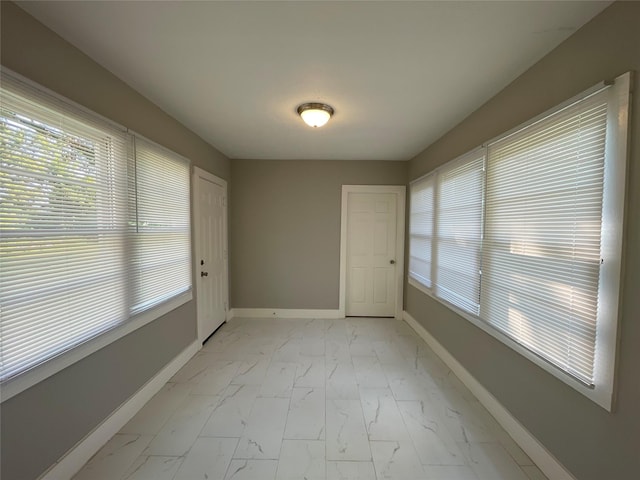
548	367
14	386
284	313
549	465
209	176
611	270
464	156
26	379
159	146
200	173
547	113
613	213
80	454
401	194
464	159
61	98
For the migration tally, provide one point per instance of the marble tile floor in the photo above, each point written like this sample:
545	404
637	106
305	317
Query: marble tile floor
287	399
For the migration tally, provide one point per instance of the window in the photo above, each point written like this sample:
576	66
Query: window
458	226
86	240
162	242
421	229
446	225
542	242
526	235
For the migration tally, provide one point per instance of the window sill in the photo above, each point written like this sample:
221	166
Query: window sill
599	394
22	382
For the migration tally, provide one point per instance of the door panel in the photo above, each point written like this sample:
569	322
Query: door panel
358	285
211	256
381	285
371	250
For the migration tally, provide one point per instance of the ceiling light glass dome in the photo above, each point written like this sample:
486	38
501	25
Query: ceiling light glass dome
315	114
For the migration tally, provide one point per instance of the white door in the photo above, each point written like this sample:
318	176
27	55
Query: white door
211	252
371	263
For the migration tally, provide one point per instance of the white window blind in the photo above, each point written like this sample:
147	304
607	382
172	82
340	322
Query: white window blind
63	216
446	231
91	233
542	255
421	229
162	243
529	248
458	223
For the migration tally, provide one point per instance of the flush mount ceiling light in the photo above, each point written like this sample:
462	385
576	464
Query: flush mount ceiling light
315	114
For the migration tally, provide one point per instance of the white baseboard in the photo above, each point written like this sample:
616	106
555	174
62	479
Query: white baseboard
283	313
545	461
80	454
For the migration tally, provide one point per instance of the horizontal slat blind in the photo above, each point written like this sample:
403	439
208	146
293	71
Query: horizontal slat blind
459	231
541	253
162	242
91	234
421	229
63	215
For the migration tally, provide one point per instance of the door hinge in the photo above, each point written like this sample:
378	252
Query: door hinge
224	201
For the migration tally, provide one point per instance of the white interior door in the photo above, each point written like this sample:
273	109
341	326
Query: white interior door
371	263
211	252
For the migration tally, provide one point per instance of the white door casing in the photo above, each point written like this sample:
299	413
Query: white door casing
372	250
211	259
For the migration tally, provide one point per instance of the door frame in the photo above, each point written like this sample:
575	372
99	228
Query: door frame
400	191
198	174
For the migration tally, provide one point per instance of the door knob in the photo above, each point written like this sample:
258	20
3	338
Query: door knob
204	274
392	262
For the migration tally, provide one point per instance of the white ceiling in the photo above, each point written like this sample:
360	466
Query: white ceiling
399	74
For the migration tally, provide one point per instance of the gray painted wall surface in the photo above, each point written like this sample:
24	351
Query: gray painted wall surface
281	263
42	423
592	443
285	228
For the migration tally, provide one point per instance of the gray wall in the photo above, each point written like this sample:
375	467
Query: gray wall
42	423
285	228
592	443
278	262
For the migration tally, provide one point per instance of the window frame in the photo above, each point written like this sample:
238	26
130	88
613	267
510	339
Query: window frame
40	372
159	149
427	285
430	290
609	292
